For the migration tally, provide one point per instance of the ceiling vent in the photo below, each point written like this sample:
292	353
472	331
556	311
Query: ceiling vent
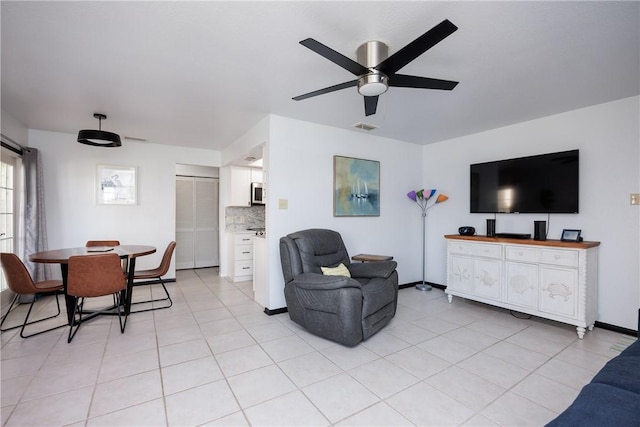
365	126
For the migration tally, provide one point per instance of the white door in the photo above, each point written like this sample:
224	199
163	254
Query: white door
196	222
206	222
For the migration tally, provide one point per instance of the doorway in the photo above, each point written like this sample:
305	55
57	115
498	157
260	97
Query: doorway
197	222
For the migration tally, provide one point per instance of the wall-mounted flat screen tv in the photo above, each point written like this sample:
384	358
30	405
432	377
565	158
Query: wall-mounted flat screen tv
547	183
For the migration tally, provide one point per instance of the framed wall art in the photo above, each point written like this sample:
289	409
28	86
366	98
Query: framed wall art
116	185
356	187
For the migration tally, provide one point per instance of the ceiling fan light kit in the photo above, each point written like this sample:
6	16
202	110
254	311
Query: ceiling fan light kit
376	71
99	138
373	84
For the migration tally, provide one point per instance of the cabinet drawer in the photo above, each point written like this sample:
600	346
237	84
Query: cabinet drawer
489	251
242	239
477	249
567	258
461	248
244	268
519	253
243	252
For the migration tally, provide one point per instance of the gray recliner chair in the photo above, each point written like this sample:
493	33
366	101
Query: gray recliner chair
344	309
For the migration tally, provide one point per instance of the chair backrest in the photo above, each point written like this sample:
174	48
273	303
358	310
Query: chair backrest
18	278
95	275
307	250
94	243
166	258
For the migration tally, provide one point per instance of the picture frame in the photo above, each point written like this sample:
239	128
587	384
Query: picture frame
356	187
116	185
569	235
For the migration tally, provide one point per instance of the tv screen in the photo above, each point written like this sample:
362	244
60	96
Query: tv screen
546	183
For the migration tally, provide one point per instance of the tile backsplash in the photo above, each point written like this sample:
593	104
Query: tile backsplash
238	218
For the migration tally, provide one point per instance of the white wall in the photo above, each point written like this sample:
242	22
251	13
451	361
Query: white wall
12	128
73	217
254	137
199	171
300	170
608	138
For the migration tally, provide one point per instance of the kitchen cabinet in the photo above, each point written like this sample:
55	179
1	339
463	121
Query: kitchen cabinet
241	256
550	279
257	175
239	185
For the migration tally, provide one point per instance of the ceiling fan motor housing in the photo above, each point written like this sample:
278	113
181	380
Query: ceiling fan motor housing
370	54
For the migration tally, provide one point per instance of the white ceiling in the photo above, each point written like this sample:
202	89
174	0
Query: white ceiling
202	73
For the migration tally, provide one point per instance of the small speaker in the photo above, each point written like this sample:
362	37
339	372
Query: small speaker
466	231
539	230
491	228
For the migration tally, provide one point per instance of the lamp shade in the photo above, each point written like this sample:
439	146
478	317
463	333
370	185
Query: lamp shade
99	138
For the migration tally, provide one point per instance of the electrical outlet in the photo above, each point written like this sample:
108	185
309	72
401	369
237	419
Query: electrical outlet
635	198
283	204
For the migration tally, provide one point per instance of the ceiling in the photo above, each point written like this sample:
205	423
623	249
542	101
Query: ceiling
200	74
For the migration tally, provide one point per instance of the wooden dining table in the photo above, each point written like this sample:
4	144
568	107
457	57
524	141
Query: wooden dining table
128	253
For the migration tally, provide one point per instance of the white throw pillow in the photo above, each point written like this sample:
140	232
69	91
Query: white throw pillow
340	270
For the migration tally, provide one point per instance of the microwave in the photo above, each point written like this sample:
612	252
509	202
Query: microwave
258	194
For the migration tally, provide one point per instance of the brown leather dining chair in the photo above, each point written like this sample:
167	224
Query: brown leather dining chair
94	243
21	283
100	243
95	276
156	273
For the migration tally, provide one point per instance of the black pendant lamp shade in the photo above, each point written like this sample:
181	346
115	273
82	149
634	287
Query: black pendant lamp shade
99	138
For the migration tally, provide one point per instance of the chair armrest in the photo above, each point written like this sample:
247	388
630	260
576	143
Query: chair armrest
372	270
320	282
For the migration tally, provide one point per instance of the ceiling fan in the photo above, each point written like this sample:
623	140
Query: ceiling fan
376	71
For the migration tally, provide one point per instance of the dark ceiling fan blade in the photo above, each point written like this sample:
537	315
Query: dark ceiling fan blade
370	105
401	80
417	47
337	58
326	90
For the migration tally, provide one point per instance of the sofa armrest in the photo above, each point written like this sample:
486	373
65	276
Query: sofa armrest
372	270
320	282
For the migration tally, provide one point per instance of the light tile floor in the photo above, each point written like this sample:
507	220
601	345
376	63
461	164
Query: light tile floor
215	359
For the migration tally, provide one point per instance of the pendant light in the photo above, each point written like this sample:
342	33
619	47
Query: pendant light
99	138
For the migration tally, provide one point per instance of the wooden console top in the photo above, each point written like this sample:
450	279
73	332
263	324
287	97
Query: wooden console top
553	243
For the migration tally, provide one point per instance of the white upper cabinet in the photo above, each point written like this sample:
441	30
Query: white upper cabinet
257	175
240	179
239	187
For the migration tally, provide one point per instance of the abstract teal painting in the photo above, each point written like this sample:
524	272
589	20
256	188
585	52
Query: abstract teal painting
356	187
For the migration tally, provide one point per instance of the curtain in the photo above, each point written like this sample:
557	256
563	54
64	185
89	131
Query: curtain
34	221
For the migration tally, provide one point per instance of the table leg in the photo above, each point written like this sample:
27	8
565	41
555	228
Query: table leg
69	300
130	273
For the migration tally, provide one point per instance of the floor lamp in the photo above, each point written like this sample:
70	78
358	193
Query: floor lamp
422	200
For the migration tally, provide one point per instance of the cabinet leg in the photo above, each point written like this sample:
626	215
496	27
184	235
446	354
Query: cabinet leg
590	327
580	331
450	298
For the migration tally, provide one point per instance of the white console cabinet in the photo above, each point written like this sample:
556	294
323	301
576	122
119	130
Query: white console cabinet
550	279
